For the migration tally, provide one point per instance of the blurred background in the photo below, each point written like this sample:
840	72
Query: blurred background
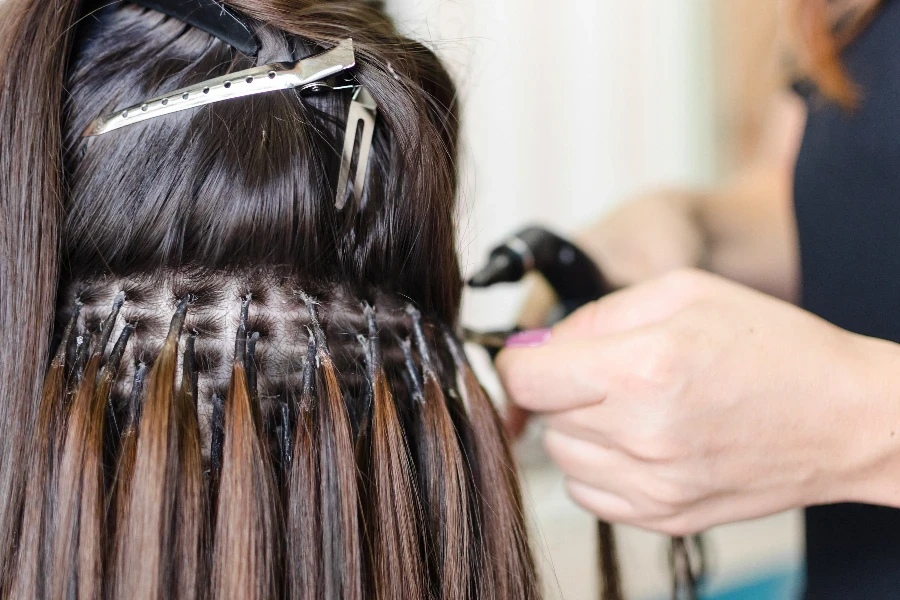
568	109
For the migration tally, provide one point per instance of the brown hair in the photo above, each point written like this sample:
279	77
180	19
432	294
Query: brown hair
332	468
821	30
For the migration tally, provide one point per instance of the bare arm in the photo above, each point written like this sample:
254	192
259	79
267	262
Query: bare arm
749	224
743	230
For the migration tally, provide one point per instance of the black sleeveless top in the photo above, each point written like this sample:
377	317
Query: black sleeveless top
847	197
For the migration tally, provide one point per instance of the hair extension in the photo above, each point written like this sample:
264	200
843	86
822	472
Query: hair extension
83	344
396	511
76	567
246	548
145	550
443	478
124	470
78	546
34	538
110	370
338	495
509	570
304	532
190	521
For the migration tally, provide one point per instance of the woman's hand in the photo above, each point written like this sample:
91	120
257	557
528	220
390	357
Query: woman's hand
690	401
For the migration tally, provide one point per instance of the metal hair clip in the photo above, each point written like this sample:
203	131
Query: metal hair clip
363	110
310	74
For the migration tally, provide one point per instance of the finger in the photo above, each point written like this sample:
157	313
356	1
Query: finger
566	374
556	376
604	505
641	305
617	423
600	467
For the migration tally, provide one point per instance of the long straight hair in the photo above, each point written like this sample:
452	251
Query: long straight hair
237	442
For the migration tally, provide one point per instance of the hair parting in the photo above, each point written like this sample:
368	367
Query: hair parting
34	537
144	561
247	553
442	475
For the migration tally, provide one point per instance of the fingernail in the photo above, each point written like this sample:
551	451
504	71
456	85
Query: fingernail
528	339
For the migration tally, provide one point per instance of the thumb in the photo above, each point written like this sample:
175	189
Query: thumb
564	374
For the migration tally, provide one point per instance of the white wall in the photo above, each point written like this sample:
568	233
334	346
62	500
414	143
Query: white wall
568	107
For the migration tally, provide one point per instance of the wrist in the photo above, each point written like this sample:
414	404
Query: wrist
865	435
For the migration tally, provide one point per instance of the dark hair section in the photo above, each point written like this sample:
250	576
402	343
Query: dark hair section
250	393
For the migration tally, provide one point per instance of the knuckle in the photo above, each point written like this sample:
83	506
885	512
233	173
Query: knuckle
664	353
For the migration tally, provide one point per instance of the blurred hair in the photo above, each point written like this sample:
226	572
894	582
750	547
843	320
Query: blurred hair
821	30
306	465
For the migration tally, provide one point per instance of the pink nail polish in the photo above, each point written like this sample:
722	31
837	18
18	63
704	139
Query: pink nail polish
529	339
